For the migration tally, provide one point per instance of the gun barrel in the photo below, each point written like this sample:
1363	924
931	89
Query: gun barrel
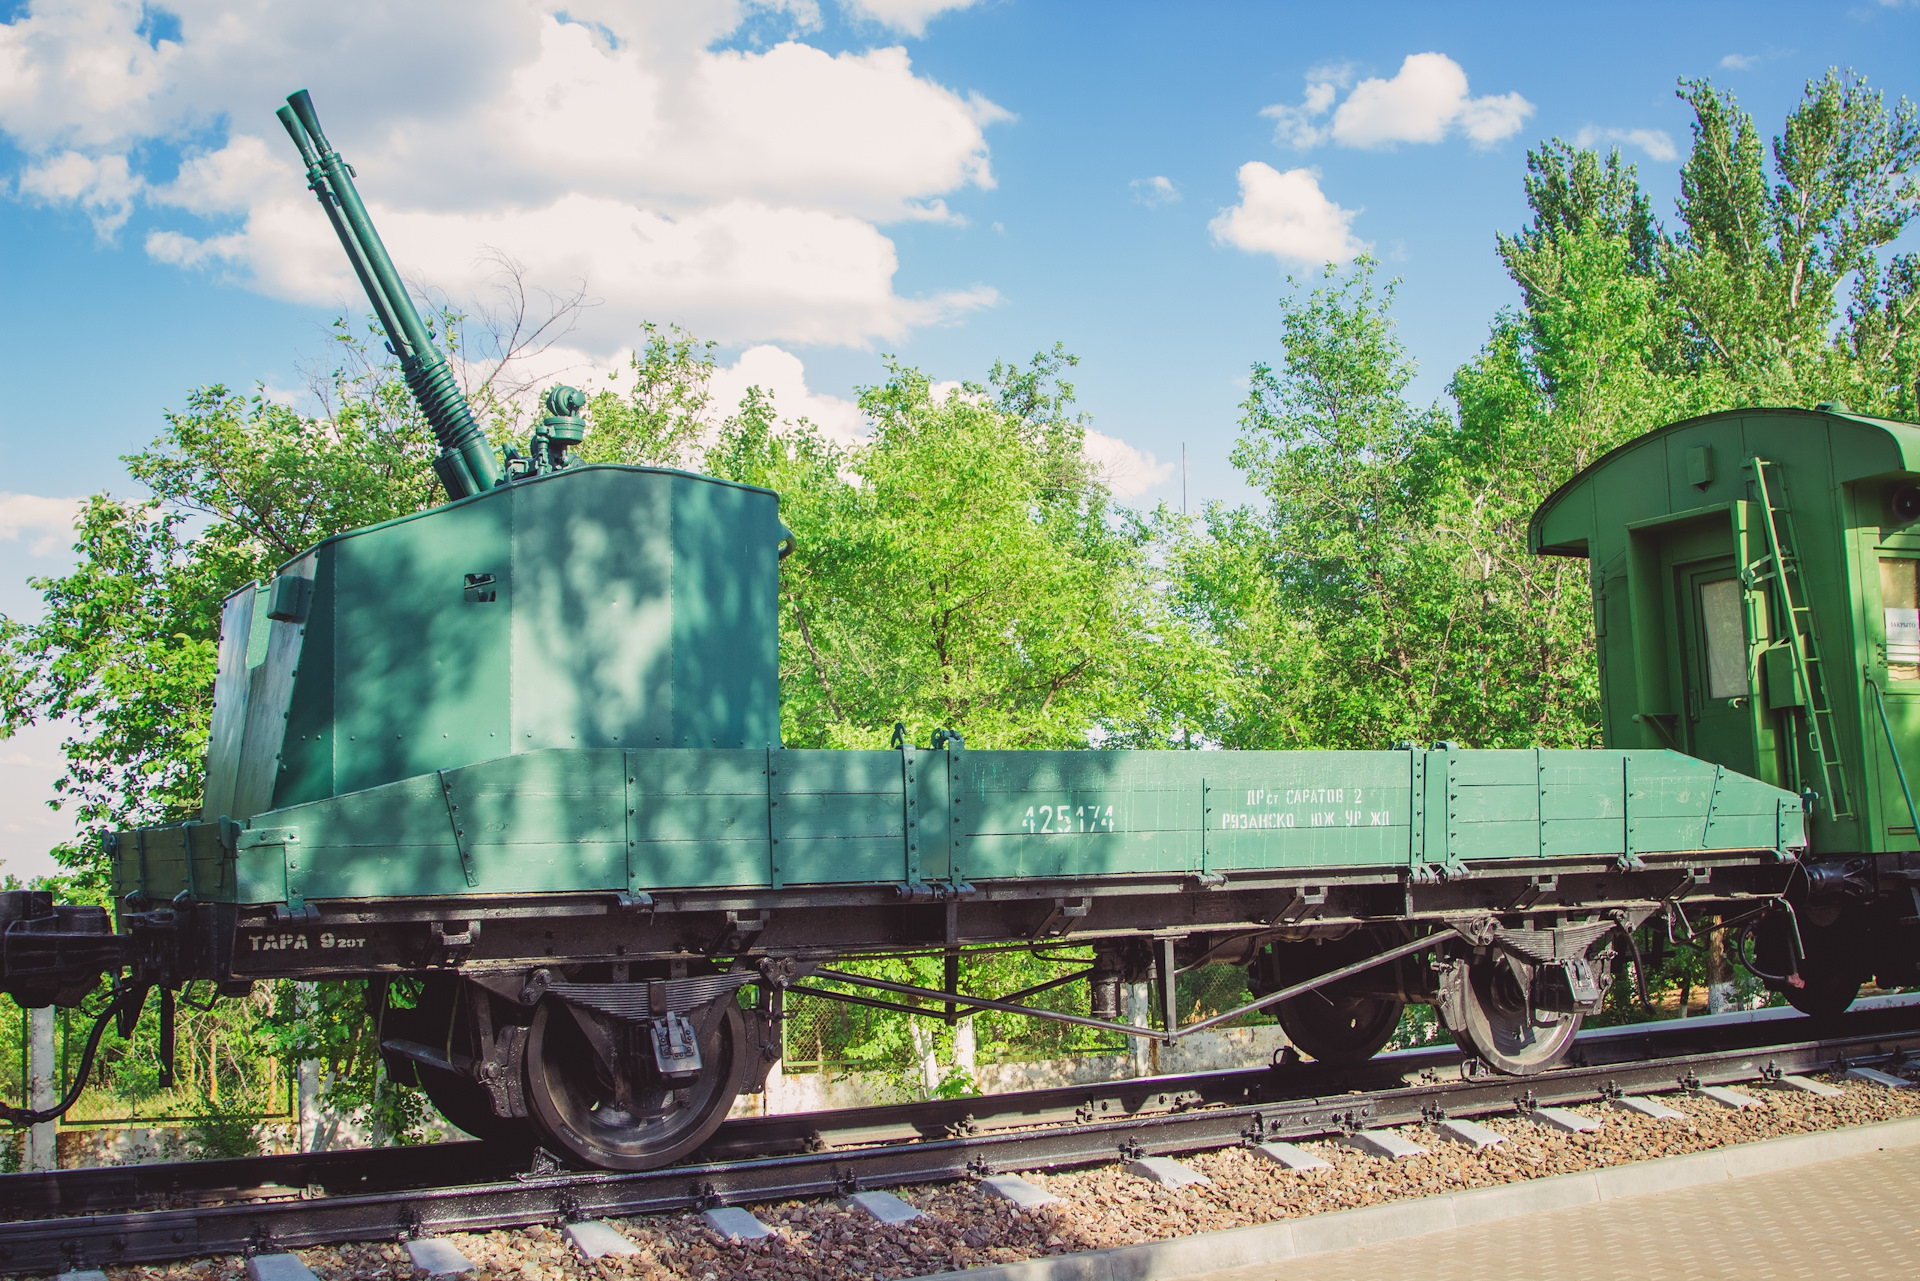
466	464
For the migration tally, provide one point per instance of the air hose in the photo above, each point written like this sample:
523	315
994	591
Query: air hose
38	1116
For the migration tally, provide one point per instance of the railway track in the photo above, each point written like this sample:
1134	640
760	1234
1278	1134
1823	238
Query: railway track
122	1215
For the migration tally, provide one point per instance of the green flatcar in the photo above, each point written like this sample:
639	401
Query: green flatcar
524	747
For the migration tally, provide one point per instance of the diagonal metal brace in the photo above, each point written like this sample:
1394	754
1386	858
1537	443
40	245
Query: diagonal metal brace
459	833
1128	1029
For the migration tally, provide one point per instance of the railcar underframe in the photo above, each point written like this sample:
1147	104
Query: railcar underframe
538	1017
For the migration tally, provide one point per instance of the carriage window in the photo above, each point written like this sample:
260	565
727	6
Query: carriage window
1726	638
1900	597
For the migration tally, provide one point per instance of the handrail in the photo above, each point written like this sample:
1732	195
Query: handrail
1893	749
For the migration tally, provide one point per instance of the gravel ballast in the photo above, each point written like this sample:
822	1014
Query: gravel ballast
963	1226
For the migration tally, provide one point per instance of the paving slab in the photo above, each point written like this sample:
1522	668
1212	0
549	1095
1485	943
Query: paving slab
597	1238
1562	1119
1166	1170
76	1275
884	1206
1471	1133
437	1258
1645	1106
1291	1157
1874	1077
1383	1143
736	1224
1734	1099
278	1267
1839	1205
1011	1187
1807	1085
1850	1218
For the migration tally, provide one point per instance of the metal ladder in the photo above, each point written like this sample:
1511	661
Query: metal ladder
1808	668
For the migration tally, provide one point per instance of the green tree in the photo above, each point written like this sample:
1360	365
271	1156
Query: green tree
125	646
1760	257
125	654
664	417
1383	589
960	568
1376	593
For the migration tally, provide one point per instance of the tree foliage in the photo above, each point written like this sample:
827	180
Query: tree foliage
664	417
960	568
1381	589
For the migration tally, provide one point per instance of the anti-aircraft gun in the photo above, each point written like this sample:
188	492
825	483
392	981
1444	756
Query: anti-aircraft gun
547	619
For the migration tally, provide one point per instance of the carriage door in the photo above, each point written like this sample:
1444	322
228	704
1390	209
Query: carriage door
1714	649
1899	653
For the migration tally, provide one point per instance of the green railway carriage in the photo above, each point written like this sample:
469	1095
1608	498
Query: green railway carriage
1756	587
524	749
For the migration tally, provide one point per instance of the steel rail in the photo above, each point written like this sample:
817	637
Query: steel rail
52	1244
131	1187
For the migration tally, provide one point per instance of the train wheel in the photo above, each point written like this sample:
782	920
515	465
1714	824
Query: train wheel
464	1102
1830	973
620	1115
1826	993
1498	1022
1340	1029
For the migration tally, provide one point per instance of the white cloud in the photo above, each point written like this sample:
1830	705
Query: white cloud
1302	126
1155	191
779	373
1126	470
48	521
1488	120
105	187
717	187
783	376
1424	102
1740	61
1657	143
909	17
1288	216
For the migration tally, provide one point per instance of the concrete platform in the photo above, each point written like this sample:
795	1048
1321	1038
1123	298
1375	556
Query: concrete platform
1835	1203
1849	1218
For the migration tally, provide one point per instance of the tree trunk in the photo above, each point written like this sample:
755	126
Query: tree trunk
43	1086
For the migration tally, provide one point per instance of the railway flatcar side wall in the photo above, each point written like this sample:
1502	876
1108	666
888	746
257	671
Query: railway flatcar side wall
649	820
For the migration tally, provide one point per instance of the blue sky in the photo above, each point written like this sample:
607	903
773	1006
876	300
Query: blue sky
813	184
